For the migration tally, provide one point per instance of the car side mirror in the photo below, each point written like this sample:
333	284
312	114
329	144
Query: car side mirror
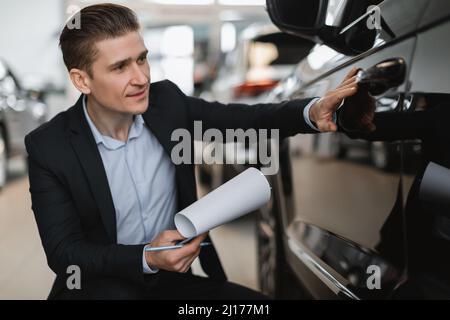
308	19
304	18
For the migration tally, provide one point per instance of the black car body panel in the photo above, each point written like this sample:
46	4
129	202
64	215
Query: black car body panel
339	216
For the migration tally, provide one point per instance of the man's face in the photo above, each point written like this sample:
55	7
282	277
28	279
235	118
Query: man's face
121	74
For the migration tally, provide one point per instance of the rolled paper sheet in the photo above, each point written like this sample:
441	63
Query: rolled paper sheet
435	185
244	193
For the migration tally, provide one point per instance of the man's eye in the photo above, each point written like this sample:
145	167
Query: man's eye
119	67
142	59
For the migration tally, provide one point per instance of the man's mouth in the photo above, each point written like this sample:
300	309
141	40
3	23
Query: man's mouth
138	94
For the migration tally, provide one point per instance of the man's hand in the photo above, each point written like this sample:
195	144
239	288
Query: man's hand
322	111
358	112
177	260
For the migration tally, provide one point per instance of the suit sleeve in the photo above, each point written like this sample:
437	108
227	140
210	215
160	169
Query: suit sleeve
61	231
286	116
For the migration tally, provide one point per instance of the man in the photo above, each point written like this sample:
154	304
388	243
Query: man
102	184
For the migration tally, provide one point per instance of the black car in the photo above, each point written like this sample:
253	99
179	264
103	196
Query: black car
20	112
338	226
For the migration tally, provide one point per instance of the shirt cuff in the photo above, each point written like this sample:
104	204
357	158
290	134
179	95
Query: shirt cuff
145	267
306	113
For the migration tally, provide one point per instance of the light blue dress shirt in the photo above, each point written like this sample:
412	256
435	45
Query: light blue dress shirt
141	178
306	114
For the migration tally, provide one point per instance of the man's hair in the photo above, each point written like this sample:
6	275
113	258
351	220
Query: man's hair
97	22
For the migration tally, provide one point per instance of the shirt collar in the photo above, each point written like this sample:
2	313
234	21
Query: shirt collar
111	143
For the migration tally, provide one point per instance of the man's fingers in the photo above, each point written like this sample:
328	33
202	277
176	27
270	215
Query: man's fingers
332	127
327	126
351	73
191	247
172	234
191	259
197	240
334	100
350	84
187	250
344	93
188	260
168	236
346	82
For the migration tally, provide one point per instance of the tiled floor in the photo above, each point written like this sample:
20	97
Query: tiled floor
24	273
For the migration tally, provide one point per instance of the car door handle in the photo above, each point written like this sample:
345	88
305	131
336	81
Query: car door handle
383	76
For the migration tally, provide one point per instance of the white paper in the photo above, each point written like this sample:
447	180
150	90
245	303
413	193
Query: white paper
244	193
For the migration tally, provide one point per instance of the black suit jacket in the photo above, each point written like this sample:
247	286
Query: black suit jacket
71	199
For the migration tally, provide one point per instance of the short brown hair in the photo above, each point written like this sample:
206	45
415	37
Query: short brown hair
97	22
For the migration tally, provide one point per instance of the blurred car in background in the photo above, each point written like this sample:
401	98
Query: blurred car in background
337	226
20	112
263	56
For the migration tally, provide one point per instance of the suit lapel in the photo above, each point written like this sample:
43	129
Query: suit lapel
84	145
161	123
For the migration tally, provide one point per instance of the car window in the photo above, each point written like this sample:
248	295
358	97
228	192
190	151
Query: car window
277	49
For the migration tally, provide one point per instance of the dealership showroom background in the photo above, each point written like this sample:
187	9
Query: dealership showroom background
351	215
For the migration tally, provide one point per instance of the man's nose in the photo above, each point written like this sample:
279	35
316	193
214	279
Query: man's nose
139	77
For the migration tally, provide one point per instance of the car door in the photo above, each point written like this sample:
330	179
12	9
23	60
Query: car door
428	223
344	219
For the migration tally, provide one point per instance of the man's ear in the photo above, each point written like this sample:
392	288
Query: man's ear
80	80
